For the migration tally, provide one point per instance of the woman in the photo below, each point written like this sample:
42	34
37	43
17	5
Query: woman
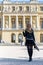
30	40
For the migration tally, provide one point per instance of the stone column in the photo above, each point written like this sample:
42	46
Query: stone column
16	37
3	22
38	26
24	24
31	20
16	22
9	22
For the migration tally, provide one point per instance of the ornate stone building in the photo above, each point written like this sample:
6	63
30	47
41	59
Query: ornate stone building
15	15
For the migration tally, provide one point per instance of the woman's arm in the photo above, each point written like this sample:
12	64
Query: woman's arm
33	35
24	33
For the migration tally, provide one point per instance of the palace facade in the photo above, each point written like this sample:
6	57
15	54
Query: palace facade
15	15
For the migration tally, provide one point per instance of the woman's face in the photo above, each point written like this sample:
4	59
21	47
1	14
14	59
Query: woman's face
28	26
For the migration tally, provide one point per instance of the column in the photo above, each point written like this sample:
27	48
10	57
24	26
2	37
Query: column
24	24
3	22
16	37
9	22
31	20
16	22
38	19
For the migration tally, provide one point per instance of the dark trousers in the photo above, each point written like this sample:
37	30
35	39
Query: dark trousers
30	51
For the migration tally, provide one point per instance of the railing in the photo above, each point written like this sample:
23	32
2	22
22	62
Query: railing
38	29
41	28
19	28
24	11
11	28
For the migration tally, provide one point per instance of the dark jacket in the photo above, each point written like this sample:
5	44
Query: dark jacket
29	36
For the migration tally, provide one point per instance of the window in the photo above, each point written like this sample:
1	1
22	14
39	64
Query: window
0	23
33	9
5	9
27	8
27	20
0	38
0	8
41	37
13	23
20	38
41	22
9	9
13	8
20	23
41	8
20	8
13	38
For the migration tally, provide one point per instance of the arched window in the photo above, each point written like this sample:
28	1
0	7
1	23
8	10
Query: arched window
20	38
13	38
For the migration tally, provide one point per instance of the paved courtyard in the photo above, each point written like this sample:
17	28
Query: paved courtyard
17	55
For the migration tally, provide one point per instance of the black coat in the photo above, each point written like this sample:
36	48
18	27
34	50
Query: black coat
29	36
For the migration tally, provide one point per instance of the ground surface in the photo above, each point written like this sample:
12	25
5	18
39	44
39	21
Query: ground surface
17	55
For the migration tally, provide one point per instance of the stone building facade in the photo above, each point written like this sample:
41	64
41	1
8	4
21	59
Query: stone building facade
15	15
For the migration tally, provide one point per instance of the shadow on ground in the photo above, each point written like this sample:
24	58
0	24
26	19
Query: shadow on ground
9	61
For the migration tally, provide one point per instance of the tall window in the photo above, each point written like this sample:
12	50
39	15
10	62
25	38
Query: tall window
6	9
27	20
20	23
0	23
27	8
41	23
41	8
0	8
0	38
20	8
13	38
33	9
41	37
20	38
13	23
13	8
